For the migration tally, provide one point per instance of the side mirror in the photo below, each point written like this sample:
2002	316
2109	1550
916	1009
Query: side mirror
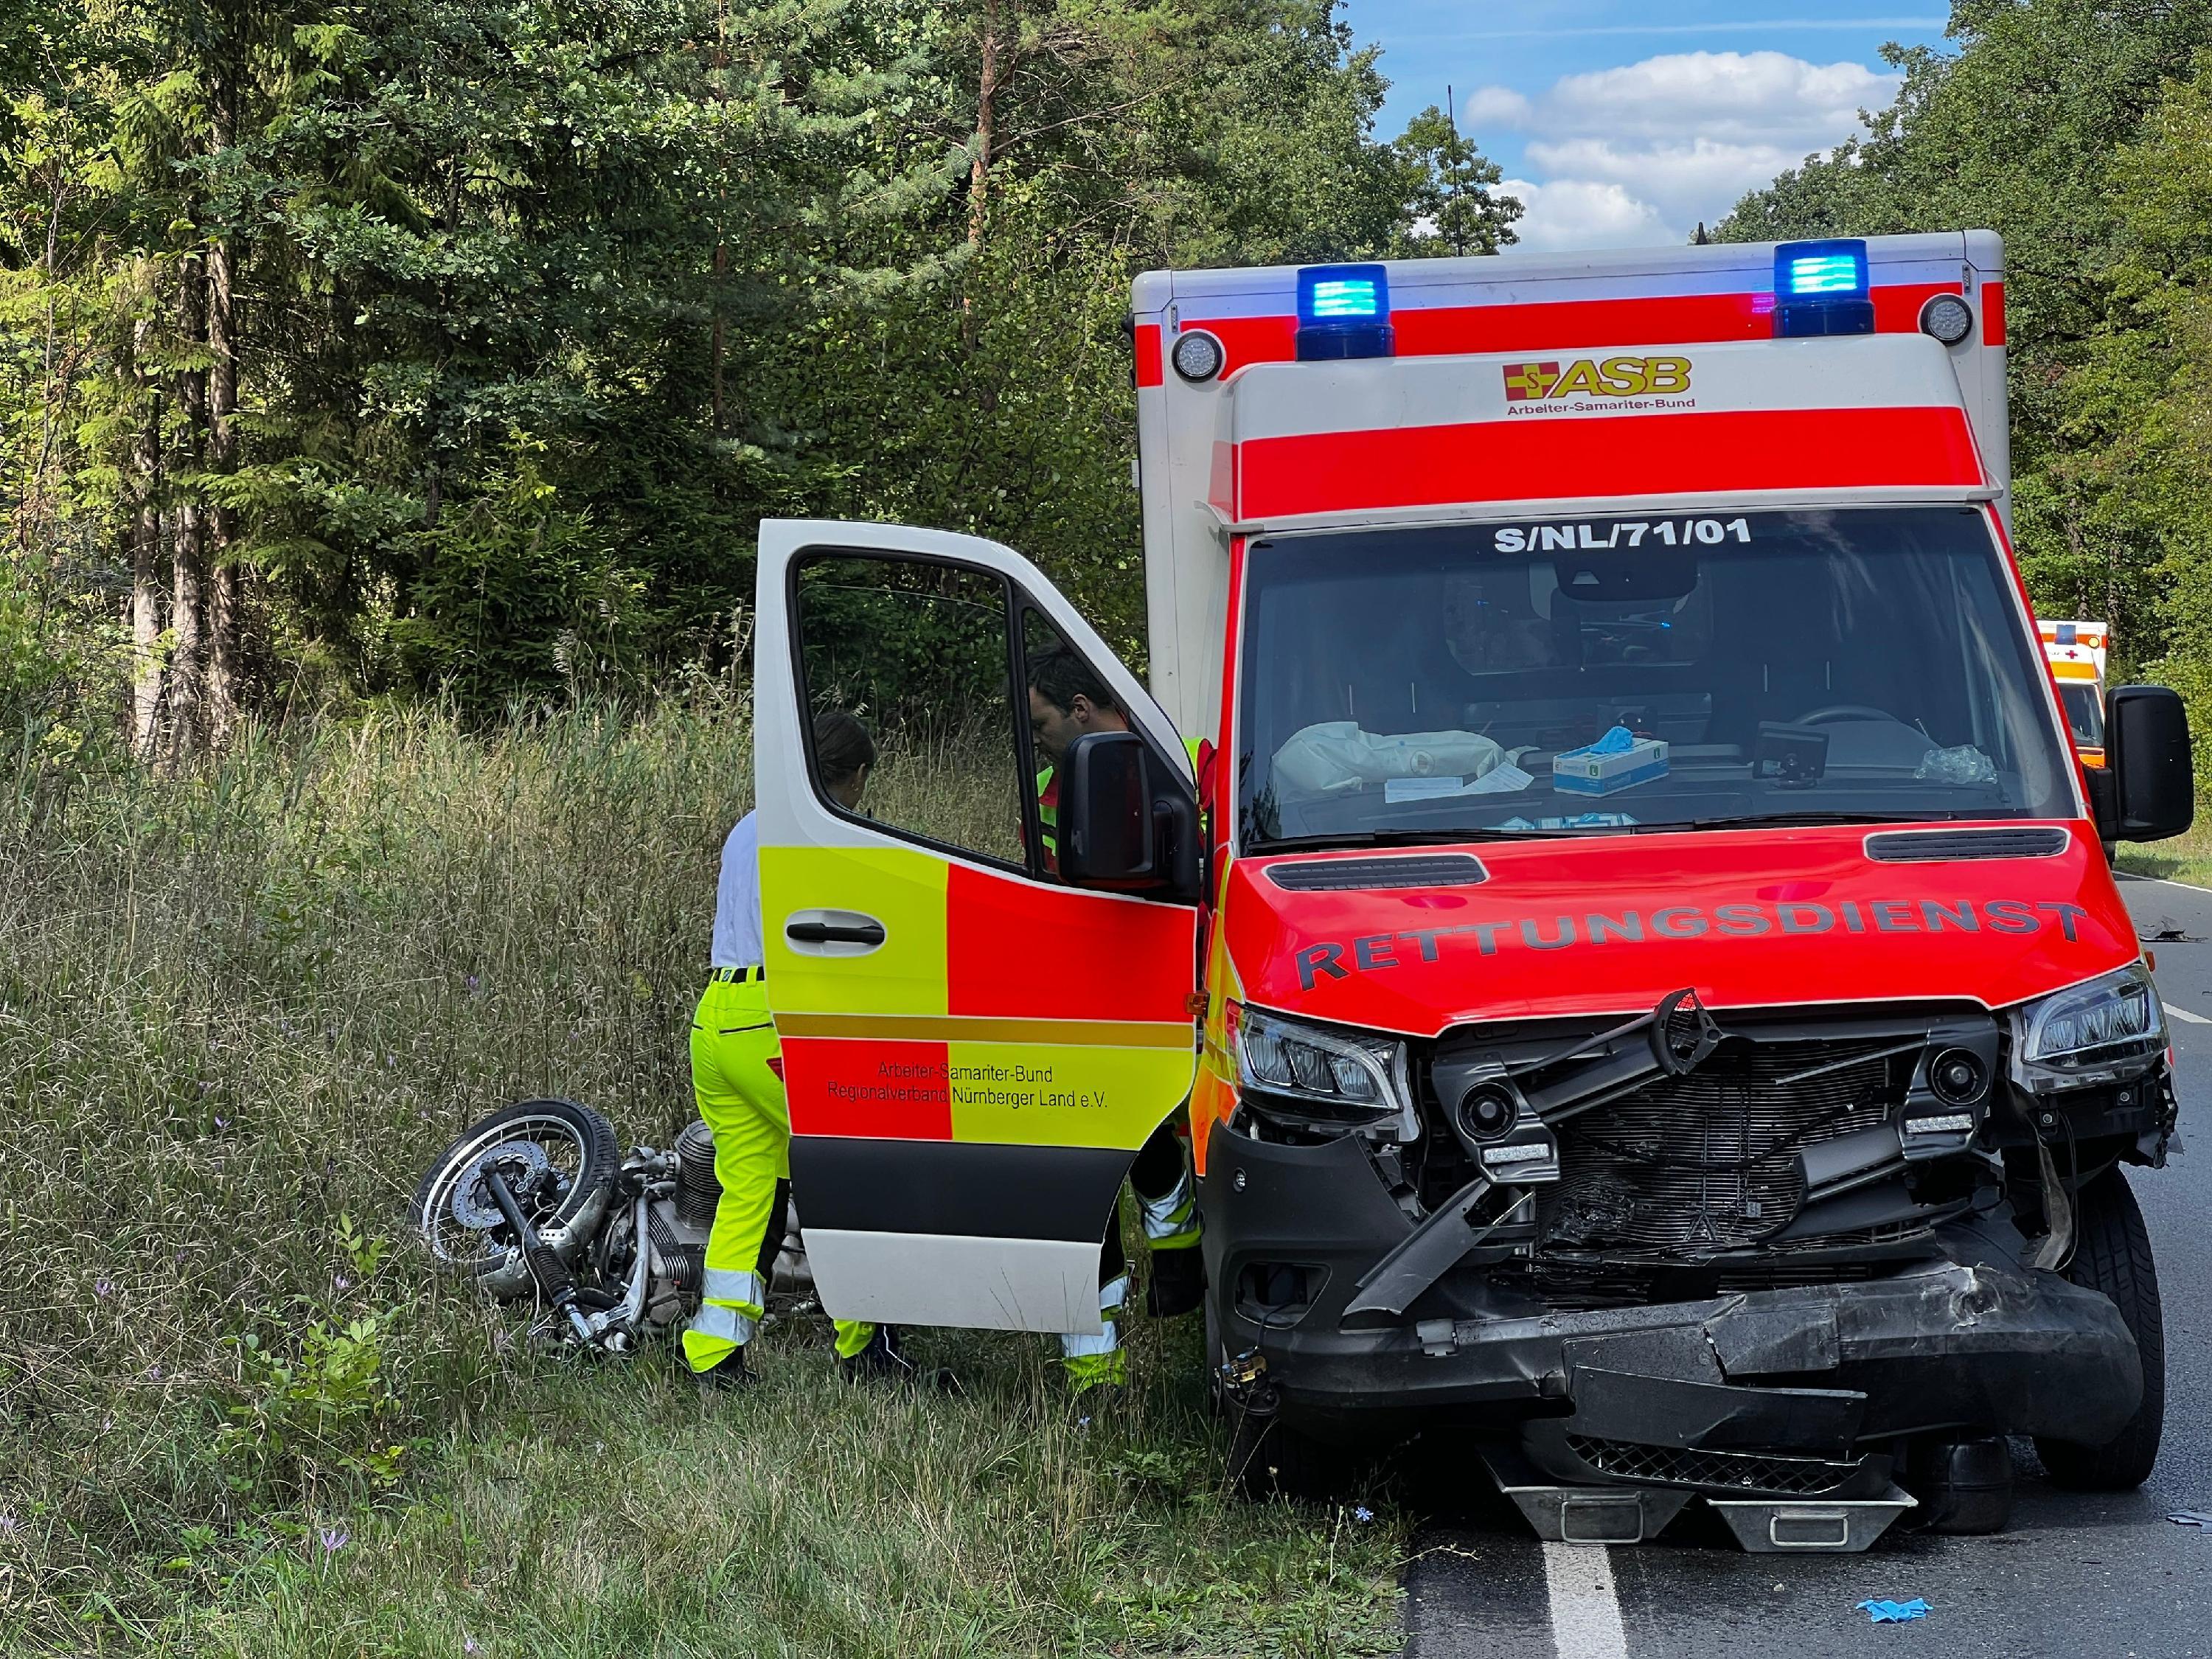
1126	821
2152	792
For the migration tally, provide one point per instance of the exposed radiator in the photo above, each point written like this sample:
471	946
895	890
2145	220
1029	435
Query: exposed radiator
1690	1166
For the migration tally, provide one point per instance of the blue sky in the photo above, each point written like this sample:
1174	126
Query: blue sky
1620	123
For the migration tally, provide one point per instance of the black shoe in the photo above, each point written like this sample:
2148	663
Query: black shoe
1178	1282
881	1362
728	1373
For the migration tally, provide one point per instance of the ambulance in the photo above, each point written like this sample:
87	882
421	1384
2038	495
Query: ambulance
2075	652
1596	865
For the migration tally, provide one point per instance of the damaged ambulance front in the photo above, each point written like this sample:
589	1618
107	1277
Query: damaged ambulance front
1670	1012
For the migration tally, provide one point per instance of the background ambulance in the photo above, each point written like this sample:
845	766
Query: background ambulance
1635	954
2075	652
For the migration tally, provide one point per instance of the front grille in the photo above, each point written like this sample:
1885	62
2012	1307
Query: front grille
1629	1460
1689	1167
1568	1286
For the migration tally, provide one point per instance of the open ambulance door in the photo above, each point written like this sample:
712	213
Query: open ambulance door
973	1047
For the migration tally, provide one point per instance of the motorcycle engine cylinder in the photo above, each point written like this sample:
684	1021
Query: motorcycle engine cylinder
698	1191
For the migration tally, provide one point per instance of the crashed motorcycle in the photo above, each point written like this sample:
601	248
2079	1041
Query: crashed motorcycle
537	1202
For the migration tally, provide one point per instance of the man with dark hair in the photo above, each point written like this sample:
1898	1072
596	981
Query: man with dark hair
1066	700
737	1075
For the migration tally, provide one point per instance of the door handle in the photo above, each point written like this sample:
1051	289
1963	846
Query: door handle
833	932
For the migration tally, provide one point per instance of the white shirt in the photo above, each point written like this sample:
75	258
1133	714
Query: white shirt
737	899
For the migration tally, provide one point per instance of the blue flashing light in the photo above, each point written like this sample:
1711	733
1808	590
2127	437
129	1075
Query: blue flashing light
1821	289
1824	273
1343	296
1343	310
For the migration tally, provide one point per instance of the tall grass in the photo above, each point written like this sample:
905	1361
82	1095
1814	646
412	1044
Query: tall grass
238	1013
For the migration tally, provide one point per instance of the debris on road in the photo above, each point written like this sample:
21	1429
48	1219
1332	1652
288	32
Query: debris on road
2197	1518
1895	1613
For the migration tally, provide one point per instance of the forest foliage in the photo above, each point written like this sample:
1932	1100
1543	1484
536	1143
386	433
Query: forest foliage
373	349
370	348
2080	131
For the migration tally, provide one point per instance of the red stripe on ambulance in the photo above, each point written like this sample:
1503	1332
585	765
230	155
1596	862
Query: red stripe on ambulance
1536	458
1575	324
1148	354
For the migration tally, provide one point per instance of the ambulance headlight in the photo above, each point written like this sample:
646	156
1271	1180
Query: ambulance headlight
2106	1031
1821	289
1947	318
1198	355
1313	1077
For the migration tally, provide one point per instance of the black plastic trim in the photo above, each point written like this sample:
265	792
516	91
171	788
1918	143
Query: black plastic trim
1411	870
1945	845
949	1187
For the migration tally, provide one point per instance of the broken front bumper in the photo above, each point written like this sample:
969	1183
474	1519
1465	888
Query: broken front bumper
1668	1394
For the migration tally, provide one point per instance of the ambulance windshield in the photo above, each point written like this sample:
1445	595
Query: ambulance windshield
1606	675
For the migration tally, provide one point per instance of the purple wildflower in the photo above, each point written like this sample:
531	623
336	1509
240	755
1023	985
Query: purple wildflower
9	1523
103	1287
334	1539
469	1645
340	1281
472	984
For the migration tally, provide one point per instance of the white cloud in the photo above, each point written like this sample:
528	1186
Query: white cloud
1575	213
1498	106
1642	152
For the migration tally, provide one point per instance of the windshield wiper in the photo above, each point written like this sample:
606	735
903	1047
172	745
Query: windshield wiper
1416	838
1799	820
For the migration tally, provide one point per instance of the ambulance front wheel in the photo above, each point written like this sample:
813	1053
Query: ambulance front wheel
2113	1255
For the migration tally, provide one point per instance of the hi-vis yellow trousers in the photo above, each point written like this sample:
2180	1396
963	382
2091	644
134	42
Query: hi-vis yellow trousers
733	1040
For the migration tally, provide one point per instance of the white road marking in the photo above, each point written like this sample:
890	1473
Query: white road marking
1585	1611
2185	1017
2161	881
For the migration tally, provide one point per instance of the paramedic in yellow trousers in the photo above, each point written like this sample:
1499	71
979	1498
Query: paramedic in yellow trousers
738	1078
1067	700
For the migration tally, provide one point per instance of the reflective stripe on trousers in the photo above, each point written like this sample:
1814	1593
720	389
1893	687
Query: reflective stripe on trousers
740	1287
1171	1219
1111	1296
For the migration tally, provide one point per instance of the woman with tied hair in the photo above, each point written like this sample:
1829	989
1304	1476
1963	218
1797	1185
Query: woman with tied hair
737	1075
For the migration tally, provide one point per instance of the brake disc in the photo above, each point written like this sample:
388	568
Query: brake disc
523	1163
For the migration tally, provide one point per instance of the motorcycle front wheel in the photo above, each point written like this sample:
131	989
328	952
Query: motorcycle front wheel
559	1159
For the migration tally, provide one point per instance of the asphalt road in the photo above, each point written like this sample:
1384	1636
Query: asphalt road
2076	1574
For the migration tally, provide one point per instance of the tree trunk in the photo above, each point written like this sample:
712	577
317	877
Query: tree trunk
225	621
144	534
721	247
188	566
987	93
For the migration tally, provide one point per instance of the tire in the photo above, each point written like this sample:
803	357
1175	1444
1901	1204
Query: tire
461	1236
1269	1458
2114	1256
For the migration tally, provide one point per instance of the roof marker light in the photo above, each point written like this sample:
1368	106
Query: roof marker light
1343	310
1821	289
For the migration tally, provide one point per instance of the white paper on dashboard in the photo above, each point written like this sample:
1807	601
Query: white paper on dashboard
1502	778
1398	789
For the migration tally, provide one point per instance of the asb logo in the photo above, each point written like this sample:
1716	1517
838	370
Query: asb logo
1591	377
